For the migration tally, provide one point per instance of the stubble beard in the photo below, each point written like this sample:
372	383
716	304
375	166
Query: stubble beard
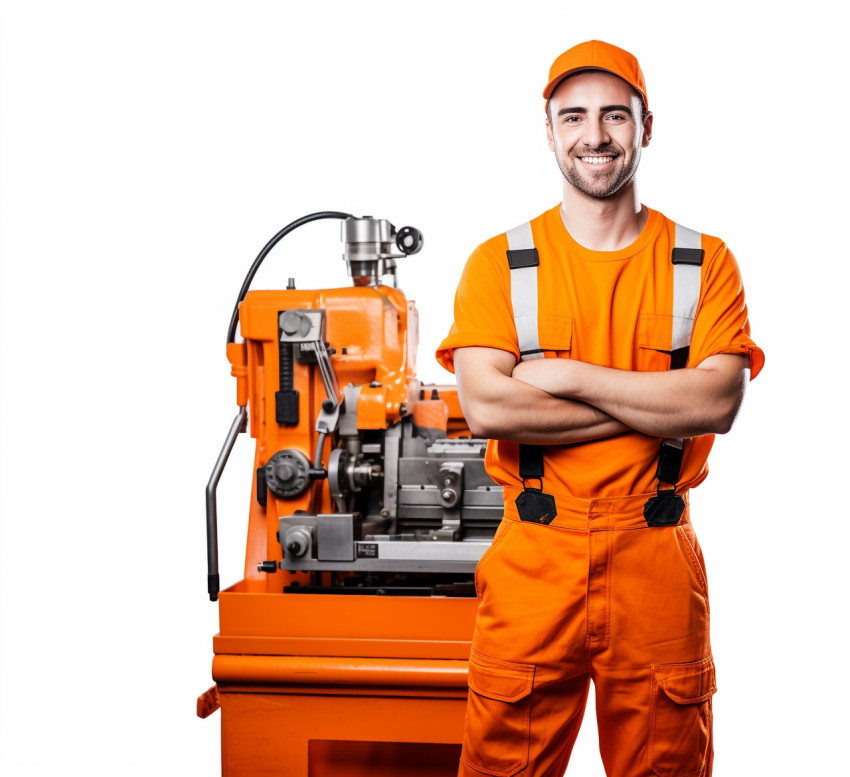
578	182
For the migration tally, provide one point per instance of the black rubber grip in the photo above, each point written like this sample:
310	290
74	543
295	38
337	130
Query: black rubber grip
212	586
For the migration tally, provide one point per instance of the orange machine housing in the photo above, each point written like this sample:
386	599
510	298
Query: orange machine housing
329	684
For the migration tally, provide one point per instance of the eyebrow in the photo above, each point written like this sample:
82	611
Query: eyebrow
604	109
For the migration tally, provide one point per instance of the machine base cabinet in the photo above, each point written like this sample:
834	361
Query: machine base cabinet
340	686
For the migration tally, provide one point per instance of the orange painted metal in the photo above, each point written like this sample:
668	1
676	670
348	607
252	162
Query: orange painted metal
208	702
371	408
312	684
238	357
346	735
335	670
431	414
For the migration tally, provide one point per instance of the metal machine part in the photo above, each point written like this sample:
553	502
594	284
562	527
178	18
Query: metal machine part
407	498
239	425
288	473
425	508
307	329
349	473
369	244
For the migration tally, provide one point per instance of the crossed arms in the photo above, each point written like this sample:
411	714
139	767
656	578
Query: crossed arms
557	401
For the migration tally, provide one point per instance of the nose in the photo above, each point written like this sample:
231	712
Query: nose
595	133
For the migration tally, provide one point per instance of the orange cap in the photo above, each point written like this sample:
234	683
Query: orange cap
596	55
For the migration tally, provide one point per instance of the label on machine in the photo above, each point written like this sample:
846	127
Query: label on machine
367	550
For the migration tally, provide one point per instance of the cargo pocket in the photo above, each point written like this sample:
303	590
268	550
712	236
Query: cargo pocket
680	717
496	738
555	333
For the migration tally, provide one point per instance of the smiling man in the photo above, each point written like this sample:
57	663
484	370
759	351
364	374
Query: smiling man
600	347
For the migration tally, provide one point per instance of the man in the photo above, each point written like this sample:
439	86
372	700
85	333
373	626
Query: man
600	348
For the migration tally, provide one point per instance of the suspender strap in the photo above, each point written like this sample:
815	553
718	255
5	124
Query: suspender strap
523	261
670	460
687	260
687	271
532	504
530	462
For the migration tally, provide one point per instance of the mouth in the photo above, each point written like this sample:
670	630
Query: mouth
598	161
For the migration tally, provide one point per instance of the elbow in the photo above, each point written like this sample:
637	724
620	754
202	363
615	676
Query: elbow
478	421
727	405
724	420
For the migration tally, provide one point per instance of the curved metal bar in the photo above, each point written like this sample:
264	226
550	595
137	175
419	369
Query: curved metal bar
239	424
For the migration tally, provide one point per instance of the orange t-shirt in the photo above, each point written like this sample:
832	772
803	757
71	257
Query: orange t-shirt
611	308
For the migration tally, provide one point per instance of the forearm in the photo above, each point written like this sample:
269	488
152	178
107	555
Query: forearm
678	403
503	408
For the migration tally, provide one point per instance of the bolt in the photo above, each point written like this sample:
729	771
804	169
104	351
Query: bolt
447	482
291	321
385	513
285	471
447	494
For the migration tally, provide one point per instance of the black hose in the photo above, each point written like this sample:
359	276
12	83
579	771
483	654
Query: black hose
324	214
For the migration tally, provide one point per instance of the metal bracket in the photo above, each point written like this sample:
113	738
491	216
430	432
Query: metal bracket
307	328
329	414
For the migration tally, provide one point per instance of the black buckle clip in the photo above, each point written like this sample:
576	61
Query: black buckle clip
535	506
664	509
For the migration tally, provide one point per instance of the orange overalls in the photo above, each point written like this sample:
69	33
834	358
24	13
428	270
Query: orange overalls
595	592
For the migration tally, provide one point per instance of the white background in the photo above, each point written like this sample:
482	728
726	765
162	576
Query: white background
151	150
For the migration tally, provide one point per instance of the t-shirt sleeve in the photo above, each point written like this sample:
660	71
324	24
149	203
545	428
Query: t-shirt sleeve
722	323
483	315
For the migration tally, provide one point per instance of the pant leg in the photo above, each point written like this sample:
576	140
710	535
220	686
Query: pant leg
655	676
529	737
528	672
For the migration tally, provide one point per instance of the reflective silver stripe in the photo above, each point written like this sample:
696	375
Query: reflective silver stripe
687	279
686	284
524	295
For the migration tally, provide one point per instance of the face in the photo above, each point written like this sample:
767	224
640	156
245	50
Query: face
597	130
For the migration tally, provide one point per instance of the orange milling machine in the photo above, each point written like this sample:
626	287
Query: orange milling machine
344	649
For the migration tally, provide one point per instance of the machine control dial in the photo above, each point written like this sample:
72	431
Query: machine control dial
297	541
288	473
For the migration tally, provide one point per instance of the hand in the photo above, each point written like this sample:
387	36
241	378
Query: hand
559	377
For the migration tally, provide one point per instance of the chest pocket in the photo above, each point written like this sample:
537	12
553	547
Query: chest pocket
654	342
556	334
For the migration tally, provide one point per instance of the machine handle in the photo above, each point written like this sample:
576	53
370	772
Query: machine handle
240	423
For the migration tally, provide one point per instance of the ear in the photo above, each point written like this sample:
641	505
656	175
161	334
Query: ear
647	129
549	136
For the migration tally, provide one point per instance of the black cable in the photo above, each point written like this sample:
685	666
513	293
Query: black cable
324	214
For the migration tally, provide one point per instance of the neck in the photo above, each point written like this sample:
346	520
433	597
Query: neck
603	224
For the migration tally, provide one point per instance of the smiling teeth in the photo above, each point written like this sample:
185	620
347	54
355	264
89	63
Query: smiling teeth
596	160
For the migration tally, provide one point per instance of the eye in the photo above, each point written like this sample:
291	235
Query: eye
572	119
617	117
